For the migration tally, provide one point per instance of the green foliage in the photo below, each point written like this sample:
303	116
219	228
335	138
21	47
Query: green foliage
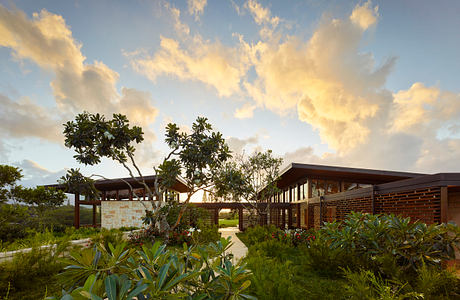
32	275
8	177
257	234
106	237
196	272
197	154
94	137
437	284
13	222
75	182
251	179
388	243
366	285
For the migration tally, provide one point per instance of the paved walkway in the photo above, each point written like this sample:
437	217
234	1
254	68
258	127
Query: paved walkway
238	249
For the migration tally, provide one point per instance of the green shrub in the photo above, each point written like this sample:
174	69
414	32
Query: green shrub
32	275
257	234
106	237
273	279
437	284
196	272
388	243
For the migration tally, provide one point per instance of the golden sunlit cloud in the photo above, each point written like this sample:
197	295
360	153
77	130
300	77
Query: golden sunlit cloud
47	41
196	7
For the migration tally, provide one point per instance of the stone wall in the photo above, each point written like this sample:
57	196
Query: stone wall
116	214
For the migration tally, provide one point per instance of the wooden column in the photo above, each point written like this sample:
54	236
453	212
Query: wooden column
240	219
283	218
130	195
76	220
216	216
444	204
94	215
299	222
290	217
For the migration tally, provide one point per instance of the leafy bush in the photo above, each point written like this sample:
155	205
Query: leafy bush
366	285
106	237
196	272
257	234
437	284
32	275
388	243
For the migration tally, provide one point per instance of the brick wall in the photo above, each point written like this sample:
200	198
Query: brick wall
423	205
116	214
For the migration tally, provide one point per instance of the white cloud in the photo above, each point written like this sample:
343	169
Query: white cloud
23	118
364	15
238	146
211	63
47	40
196	7
35	174
246	111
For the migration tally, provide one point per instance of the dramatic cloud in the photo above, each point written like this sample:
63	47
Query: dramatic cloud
422	108
47	41
23	118
210	63
333	85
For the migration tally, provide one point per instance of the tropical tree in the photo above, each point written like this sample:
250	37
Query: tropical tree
250	180
9	175
24	203
195	156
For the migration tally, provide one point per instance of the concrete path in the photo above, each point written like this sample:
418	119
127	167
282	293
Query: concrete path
238	249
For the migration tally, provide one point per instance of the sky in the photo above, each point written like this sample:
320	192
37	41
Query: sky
349	83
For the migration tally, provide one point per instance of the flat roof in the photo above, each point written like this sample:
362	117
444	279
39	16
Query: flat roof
296	171
120	183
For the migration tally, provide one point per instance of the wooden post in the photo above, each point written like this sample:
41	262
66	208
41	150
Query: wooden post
104	197
444	204
299	222
118	195
216	216
290	217
283	218
94	215
240	219
130	195
76	216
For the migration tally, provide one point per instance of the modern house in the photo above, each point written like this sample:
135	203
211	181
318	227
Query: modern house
310	195
325	193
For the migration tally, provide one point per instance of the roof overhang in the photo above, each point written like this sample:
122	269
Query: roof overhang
122	183
296	171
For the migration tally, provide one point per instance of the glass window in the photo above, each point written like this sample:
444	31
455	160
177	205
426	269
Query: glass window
332	187
364	185
305	190
348	186
314	188
294	193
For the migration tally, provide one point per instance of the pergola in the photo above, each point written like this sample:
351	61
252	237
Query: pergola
117	189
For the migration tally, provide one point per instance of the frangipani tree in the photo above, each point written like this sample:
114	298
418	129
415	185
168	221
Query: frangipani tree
250	180
196	155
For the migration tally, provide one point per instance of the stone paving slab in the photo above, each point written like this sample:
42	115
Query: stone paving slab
238	249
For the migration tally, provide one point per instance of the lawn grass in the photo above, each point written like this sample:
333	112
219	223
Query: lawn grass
228	223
